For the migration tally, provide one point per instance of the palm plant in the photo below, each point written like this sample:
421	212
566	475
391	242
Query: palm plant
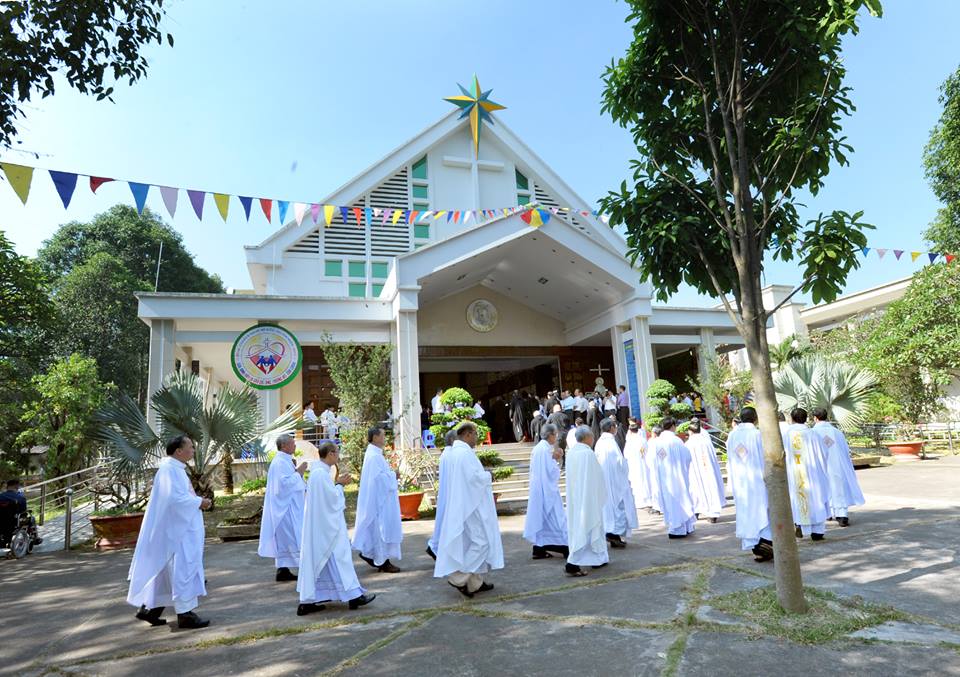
229	423
842	389
788	349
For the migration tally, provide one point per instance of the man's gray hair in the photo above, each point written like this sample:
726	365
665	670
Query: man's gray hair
548	430
282	439
607	424
583	433
450	437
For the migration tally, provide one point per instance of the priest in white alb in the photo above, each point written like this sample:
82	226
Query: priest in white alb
650	458
378	533
706	482
843	486
806	477
283	509
619	511
326	560
167	566
745	473
545	525
441	501
634	448
468	544
586	498
673	480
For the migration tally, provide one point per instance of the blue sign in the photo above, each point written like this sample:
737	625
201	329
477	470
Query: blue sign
632	379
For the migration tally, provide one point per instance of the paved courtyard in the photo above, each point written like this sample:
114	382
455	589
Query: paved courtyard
648	613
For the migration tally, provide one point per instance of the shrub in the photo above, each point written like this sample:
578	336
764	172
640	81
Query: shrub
489	459
661	389
501	472
452	397
256	484
681	411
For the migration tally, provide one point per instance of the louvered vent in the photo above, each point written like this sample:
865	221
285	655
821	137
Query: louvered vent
546	200
389	239
308	244
345	238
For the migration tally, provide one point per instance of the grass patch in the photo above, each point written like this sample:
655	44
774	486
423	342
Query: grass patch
829	618
674	654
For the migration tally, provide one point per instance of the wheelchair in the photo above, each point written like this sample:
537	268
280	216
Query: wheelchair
18	530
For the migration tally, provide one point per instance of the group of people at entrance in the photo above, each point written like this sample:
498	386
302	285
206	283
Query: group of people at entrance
303	524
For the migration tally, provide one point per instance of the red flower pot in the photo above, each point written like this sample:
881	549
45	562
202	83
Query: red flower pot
116	531
410	505
906	449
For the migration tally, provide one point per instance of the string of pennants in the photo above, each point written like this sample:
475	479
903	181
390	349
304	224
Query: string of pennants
21	178
897	253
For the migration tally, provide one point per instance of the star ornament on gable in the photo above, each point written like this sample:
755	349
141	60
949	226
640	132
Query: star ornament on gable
475	105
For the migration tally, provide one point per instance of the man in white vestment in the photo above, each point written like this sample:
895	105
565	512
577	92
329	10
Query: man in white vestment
635	446
449	438
706	482
844	490
673	480
586	498
283	509
650	458
619	511
806	477
469	538
326	560
745	472
378	533
545	525
167	566
571	438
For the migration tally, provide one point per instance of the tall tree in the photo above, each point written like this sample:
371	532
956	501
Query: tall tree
735	106
91	43
941	158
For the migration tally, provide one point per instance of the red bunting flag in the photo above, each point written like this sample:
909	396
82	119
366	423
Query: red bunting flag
950	257
266	205
97	181
358	213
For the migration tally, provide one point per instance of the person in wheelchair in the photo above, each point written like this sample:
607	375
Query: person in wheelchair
14	518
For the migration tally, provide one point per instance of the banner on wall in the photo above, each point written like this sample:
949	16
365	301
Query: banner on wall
266	357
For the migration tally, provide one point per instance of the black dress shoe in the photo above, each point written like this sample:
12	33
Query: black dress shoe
763	551
389	567
309	608
677	535
151	616
713	520
573	570
191	621
284	574
816	537
843	521
431	552
540	553
799	532
360	601
485	587
463	590
615	541
368	561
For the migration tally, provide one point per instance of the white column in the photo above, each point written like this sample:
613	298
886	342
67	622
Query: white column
643	356
619	356
707	350
407	374
162	345
270	405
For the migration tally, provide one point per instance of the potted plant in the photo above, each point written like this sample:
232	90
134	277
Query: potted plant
117	524
460	405
909	445
414	467
683	431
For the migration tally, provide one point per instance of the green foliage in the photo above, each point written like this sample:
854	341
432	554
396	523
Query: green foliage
463	413
85	43
941	160
25	306
683	427
661	389
502	472
788	349
680	411
720	381
453	396
882	408
61	413
489	459
843	389
253	485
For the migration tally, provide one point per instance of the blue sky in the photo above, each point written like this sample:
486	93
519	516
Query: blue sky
292	99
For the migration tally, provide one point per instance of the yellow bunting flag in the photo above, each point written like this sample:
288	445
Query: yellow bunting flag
20	178
223	204
397	213
328	214
437	215
915	255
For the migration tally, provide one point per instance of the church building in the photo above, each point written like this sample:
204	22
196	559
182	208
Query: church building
491	304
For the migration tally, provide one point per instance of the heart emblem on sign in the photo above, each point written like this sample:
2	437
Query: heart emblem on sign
266	357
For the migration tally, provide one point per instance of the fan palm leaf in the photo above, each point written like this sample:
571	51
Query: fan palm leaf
840	388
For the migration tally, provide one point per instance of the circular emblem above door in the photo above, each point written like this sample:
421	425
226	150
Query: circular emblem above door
482	315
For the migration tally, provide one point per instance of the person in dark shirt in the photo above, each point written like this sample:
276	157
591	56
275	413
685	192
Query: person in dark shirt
13	494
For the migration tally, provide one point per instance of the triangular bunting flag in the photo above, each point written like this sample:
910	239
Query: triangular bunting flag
914	256
223	204
455	215
898	253
328	214
299	211
544	215
413	215
406	216
368	216
245	202
397	213
933	256
19	178
425	215
865	250
282	206
466	215
266	204
604	219
555	210
358	216
65	183
376	212
584	213
438	214
315	212
345	215
881	252
139	191
97	181
949	257
196	201
385	216
169	196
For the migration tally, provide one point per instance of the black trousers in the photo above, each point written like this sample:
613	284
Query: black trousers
623	413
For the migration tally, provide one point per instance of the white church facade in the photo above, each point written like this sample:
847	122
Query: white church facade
489	305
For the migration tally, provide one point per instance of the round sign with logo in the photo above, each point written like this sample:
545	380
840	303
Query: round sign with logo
266	356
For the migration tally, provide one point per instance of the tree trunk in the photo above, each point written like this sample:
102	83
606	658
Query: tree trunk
786	559
227	473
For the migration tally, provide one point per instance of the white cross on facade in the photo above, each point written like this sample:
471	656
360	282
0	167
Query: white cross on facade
599	369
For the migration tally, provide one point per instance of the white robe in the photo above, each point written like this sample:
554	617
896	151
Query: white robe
807	478
619	510
650	458
282	521
378	533
745	473
706	482
326	560
673	477
633	451
844	488
434	540
469	536
586	496
571	437
167	566
546	521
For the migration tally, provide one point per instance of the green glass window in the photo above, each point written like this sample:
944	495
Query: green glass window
523	199
358	289
420	192
377	288
421	230
522	183
357	269
332	268
418	245
379	270
420	207
420	168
